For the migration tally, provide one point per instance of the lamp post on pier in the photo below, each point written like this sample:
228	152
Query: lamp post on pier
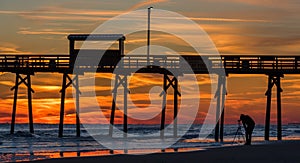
148	37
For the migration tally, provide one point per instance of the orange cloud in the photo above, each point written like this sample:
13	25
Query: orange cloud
47	32
145	3
58	13
9	48
229	20
236	33
251	101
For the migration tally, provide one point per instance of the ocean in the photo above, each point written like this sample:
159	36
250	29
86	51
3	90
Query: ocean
45	144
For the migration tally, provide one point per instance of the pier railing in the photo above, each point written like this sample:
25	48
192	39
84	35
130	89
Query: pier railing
35	63
231	64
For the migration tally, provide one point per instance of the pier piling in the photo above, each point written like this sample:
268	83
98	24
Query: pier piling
65	85
169	81
27	82
273	79
220	97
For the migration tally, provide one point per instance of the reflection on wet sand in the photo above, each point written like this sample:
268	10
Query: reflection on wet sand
32	156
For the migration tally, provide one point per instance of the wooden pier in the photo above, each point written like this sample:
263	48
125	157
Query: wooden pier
24	66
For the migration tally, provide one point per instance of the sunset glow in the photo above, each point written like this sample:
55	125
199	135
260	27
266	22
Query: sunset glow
243	27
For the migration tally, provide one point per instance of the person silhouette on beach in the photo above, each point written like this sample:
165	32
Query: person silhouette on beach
249	125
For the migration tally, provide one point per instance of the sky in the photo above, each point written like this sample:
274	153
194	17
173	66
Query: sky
234	26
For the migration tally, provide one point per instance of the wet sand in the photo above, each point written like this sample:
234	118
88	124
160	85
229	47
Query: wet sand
273	152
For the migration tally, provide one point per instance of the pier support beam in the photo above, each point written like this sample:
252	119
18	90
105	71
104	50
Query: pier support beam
273	80
220	95
27	81
222	125
164	106
167	83
119	81
176	94
65	85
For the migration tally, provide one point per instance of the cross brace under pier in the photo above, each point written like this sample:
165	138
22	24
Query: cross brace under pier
169	81
65	85
119	81
273	80
27	82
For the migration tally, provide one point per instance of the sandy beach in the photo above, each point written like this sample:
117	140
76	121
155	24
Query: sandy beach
273	152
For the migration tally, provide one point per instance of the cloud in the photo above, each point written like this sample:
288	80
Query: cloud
6	47
249	43
257	27
58	13
229	20
13	12
288	4
26	31
145	3
63	18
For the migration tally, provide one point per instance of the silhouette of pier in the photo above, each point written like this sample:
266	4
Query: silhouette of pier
24	66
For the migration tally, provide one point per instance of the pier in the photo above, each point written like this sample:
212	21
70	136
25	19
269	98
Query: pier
24	66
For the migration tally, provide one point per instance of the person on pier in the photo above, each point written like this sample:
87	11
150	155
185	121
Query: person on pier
249	125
